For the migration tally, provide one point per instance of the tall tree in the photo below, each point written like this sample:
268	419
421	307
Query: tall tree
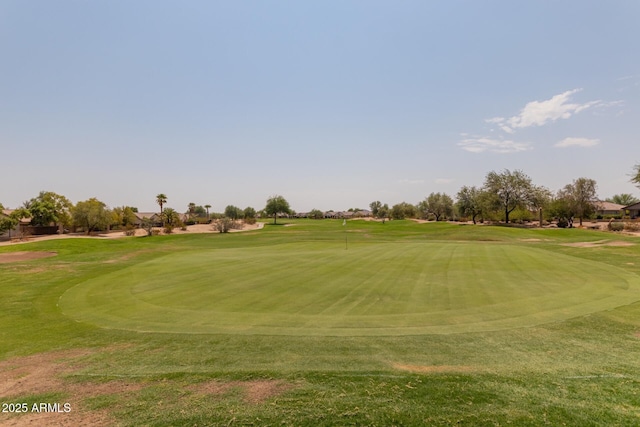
91	215
49	208
161	199
383	212
509	190
277	205
207	207
191	210
233	212
581	196
470	202
439	204
374	206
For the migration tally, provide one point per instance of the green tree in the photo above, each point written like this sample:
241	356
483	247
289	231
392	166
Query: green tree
375	206
207	207
439	204
233	212
9	222
403	210
623	199
581	197
249	213
191	210
171	217
635	177
316	214
276	205
161	199
509	190
383	212
470	202
123	216
49	208
91	215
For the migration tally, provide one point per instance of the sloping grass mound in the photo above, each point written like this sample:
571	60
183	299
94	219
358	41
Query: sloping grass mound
315	288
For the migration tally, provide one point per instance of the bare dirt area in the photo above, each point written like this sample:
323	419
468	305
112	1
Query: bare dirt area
191	229
10	257
43	373
599	243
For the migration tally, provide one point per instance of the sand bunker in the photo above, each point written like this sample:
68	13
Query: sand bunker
598	243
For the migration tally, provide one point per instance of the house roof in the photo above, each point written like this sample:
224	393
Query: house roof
633	207
7	212
608	206
143	215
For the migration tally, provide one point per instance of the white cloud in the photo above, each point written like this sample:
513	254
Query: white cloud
411	181
481	144
444	181
539	113
577	142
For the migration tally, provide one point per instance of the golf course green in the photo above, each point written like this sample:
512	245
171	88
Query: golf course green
384	288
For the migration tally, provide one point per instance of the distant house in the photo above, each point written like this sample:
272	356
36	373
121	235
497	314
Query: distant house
608	208
634	210
154	217
18	229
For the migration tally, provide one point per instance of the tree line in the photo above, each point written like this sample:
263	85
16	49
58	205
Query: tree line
501	195
505	193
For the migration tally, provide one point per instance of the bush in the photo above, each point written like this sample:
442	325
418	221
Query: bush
223	225
129	230
190	222
155	232
250	221
632	226
616	226
563	223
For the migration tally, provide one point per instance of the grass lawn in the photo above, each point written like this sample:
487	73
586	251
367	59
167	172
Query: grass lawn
413	324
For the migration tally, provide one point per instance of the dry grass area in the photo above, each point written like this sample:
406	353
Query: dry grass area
434	369
9	257
45	373
599	243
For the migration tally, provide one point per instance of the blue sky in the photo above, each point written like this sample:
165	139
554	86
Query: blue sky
331	104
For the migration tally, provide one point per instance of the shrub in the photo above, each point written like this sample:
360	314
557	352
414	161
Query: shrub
632	226
616	226
190	222
168	229
155	232
223	225
129	230
250	221
563	223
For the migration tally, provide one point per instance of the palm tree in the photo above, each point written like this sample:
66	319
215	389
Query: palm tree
161	199
207	208
191	210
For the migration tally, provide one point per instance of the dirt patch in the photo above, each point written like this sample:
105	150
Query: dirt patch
598	243
434	369
43	373
253	391
10	257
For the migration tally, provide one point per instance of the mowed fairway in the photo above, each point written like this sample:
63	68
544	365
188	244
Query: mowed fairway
414	324
319	288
